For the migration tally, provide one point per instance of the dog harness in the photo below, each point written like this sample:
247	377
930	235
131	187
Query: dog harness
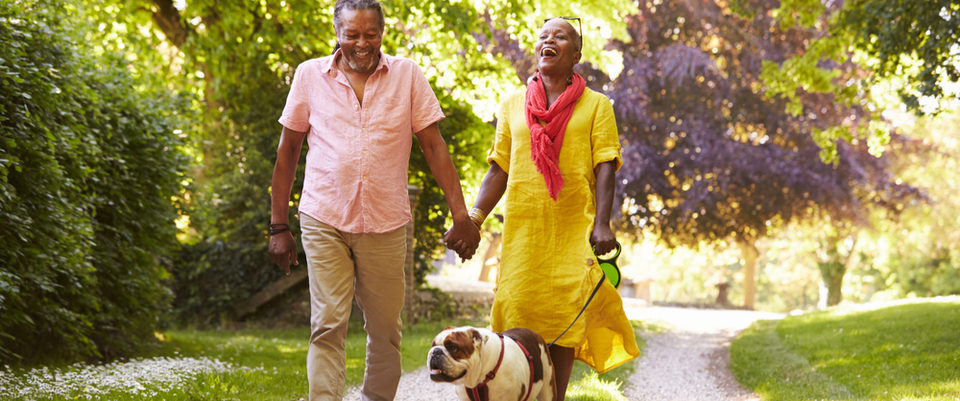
481	393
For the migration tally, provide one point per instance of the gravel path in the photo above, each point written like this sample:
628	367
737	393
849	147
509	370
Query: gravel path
414	386
691	360
688	362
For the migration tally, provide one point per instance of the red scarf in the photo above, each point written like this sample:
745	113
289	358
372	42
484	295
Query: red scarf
545	142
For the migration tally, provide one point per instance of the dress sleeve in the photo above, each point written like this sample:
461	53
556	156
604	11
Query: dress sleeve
500	152
296	112
424	106
605	140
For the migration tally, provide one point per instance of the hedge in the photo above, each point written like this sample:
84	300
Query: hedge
89	165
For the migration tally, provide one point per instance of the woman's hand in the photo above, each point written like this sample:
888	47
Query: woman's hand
602	239
463	238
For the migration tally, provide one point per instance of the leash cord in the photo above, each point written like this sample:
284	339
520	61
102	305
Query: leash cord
603	277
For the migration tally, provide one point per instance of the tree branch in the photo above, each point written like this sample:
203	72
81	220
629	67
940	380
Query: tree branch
167	18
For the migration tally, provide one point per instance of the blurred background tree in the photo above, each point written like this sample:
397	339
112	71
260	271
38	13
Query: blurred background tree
912	45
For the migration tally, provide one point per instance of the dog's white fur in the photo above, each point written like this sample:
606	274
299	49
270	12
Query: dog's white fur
463	356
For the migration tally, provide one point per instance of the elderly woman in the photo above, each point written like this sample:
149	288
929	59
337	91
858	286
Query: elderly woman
557	151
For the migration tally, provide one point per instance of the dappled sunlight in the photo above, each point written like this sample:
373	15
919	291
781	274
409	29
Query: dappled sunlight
591	388
137	377
291	350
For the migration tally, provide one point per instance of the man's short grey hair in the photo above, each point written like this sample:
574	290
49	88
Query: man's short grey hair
356	5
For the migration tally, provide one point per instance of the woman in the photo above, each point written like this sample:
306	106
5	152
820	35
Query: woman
561	183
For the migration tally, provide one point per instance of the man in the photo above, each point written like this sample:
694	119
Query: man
360	108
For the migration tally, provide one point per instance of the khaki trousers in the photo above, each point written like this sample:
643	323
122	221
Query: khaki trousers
340	266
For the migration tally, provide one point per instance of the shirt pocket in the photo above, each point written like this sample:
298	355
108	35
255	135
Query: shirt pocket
391	114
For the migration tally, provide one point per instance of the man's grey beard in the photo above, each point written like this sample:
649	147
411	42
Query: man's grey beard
362	67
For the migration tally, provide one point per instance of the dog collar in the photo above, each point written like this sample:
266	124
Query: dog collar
481	393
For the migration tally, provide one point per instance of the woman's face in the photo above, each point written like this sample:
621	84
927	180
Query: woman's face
556	50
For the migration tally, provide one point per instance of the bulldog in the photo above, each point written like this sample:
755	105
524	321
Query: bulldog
485	365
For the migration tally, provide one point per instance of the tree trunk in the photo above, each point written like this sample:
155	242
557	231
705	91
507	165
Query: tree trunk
488	257
834	286
748	247
167	18
834	269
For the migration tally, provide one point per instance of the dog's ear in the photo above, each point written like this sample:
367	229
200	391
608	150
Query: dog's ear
477	337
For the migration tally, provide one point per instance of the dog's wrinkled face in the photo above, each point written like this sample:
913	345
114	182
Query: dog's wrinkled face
454	352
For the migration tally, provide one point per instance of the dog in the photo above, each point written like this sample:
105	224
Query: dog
485	365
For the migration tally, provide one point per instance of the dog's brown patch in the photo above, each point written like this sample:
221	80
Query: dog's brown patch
460	344
532	342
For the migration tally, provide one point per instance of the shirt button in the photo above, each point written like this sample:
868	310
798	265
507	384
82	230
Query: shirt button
356	107
364	152
589	262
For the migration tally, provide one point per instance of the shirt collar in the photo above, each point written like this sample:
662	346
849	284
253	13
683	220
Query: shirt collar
329	65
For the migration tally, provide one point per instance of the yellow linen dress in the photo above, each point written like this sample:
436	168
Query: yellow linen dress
548	269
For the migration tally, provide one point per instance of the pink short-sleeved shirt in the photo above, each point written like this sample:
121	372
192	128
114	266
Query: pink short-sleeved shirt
356	172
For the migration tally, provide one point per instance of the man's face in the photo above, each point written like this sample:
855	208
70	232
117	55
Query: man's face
360	36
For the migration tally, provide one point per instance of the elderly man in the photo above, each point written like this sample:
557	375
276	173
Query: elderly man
360	108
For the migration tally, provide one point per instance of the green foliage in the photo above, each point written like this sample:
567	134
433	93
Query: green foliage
798	12
212	278
467	138
88	168
827	141
906	350
902	34
919	253
910	43
802	71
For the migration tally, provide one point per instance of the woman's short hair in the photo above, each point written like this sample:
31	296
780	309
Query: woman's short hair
577	38
356	5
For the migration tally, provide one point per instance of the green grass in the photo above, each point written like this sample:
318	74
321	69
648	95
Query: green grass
276	362
907	351
273	365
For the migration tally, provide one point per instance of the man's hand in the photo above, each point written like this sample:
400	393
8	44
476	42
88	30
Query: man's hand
283	250
463	238
602	239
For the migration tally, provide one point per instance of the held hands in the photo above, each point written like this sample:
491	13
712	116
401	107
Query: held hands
603	239
283	250
463	238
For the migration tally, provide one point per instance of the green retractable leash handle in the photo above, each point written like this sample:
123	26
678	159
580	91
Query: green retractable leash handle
609	267
611	272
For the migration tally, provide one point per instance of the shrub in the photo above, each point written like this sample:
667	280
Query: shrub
211	278
89	164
